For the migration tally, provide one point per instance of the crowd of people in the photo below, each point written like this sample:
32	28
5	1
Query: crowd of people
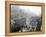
22	25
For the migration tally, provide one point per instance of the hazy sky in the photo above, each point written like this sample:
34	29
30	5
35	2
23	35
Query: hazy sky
28	9
31	9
